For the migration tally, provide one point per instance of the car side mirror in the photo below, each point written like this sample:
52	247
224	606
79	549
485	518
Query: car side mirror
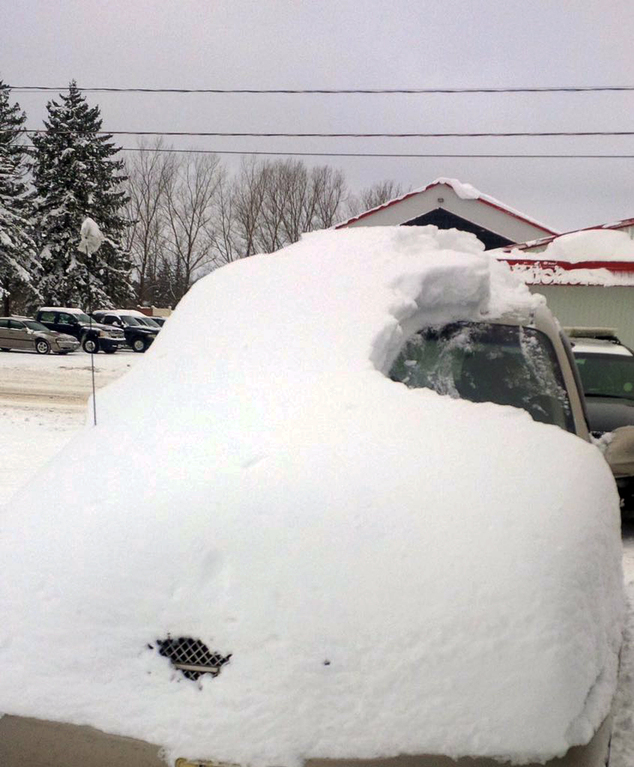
619	452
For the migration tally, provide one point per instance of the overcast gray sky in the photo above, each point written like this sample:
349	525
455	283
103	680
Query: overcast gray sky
362	44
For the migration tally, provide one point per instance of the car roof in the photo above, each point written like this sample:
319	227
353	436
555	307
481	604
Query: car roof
599	346
119	312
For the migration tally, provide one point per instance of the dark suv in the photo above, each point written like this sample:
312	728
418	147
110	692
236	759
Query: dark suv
92	335
138	335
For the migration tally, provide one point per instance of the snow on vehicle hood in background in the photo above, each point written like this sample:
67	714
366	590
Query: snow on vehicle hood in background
393	571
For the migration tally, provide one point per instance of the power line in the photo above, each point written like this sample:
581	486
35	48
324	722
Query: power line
338	91
385	154
254	134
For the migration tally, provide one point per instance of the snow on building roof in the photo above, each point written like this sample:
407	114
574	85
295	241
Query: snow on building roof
542	242
392	571
463	191
595	256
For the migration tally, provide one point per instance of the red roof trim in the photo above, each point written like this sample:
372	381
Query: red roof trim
612	266
497	206
382	207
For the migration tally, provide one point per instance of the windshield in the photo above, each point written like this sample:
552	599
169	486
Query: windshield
33	325
149	322
127	319
482	362
84	319
606	375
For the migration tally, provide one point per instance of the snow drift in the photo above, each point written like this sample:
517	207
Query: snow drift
392	571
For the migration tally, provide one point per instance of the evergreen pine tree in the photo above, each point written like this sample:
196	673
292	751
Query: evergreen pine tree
18	266
76	175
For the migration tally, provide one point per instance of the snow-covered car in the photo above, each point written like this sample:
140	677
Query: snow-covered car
290	557
606	367
27	334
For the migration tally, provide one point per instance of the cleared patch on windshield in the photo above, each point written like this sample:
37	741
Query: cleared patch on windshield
486	362
191	656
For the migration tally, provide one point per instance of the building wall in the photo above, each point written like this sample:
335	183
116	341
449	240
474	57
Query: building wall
592	305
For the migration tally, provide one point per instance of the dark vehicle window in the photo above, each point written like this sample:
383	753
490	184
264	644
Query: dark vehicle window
606	375
4	323
33	325
47	317
482	362
68	319
130	321
16	325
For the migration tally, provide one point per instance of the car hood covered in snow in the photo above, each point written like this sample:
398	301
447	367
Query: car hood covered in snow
392	571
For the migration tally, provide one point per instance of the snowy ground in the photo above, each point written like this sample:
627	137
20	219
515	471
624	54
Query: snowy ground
43	404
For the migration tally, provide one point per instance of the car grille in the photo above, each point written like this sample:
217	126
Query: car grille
191	656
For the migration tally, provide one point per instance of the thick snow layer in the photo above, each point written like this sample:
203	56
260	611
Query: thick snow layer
393	571
91	237
587	245
464	191
592	245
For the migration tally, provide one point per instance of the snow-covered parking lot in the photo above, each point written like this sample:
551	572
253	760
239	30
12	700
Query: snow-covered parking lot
43	403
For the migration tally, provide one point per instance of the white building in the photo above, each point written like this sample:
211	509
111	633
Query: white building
587	276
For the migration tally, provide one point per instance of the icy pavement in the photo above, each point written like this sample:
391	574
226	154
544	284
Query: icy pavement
43	404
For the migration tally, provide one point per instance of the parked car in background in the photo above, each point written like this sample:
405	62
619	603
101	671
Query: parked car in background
151	322
606	367
159	320
138	334
92	336
25	333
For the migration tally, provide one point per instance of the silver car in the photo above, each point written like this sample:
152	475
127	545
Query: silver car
24	333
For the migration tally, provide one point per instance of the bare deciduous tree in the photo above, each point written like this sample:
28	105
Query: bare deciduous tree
150	173
272	203
191	217
190	207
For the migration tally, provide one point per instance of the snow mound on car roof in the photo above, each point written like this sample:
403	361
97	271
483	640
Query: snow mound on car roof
392	571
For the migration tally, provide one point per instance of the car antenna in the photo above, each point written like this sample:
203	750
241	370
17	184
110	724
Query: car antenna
91	239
